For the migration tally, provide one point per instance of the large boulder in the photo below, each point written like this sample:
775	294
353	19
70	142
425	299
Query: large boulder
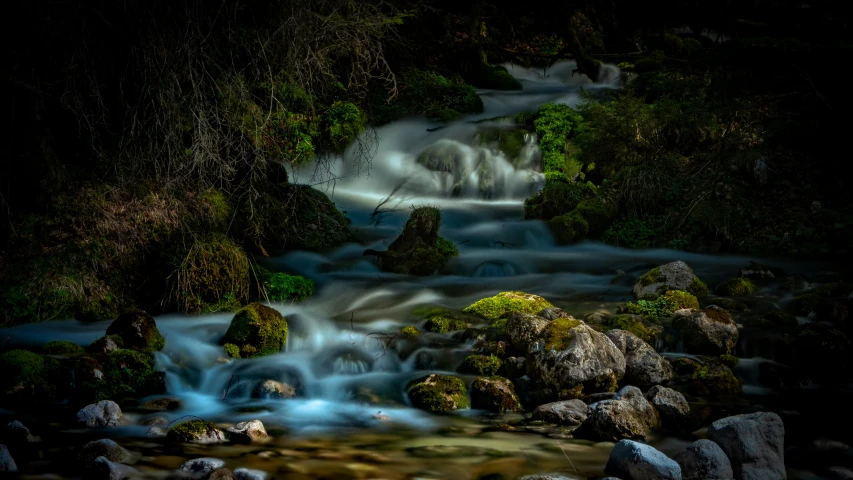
644	409
522	329
672	407
195	431
754	443
704	460
707	332
495	394
418	250
248	432
257	330
643	365
569	354
103	448
672	276
505	303
7	463
567	412
439	393
105	413
138	331
631	460
613	420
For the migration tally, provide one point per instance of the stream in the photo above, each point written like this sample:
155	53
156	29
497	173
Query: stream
354	420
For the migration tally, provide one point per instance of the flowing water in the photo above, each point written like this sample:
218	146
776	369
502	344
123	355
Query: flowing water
353	420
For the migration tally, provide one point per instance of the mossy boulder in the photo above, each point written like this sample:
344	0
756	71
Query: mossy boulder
715	380
495	394
647	329
125	374
195	431
32	379
522	329
644	367
441	320
258	330
672	276
439	393
61	347
736	287
483	365
504	303
418	250
138	331
710	331
493	77
570	353
410	331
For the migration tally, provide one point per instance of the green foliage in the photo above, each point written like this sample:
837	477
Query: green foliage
61	347
492	77
232	350
556	125
634	232
481	365
730	361
258	330
661	307
697	287
715	380
504	303
281	287
343	121
446	248
568	228
559	196
647	329
428	93
736	287
213	268
444	323
31	379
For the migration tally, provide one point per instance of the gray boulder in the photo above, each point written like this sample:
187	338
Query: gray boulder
672	407
706	332
522	329
248	432
103	448
637	461
7	463
201	468
704	460
644	409
553	313
105	413
570	353
672	276
568	412
613	420
643	366
754	443
16	433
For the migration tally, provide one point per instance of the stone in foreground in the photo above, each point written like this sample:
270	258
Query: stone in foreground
105	413
568	412
704	460
754	443
631	460
248	432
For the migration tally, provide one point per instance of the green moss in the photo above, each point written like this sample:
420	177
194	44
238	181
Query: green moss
419	250
446	248
29	378
189	431
428	93
715	380
598	214
219	209
697	287
504	303
138	331
481	365
681	300
500	327
663	306
61	347
684	365
573	393
260	327
730	361
568	228
487	394
510	141
651	277
646	329
495	77
736	287
342	122
718	315
410	331
557	197
281	287
445	323
213	268
129	373
729	304
232	350
558	334
439	393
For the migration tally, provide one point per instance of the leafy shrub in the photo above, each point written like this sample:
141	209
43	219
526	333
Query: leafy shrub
342	122
556	125
282	286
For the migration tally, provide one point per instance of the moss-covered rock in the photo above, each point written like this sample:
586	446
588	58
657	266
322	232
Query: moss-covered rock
672	276
439	393
504	303
418	250
212	275
195	431
31	379
494	77
730	361
559	196
495	394
61	347
441	320
715	380
126	374
736	287
729	304
410	331
710	331
647	329
568	228
138	331
483	365
258	330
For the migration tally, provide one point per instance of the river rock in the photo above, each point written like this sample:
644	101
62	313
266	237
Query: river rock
138	331
103	345
272	389
754	443
256	330
103	448
631	460
706	332
568	412
103	469
201	468
570	353
672	276
195	431
248	432
16	433
613	420
495	394
643	366
522	329
439	393
704	460
515	367
553	313
221	474
105	413
7	463
672	407
246	474
644	409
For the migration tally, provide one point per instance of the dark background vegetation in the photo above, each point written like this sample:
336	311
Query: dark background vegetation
148	142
